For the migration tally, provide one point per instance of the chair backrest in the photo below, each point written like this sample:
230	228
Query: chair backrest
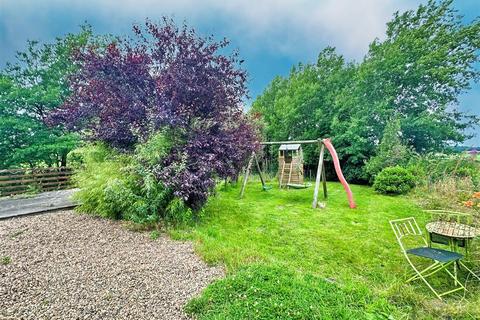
404	228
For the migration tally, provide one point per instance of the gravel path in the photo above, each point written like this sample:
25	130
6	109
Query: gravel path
61	265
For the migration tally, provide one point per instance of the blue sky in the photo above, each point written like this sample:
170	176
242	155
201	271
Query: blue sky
271	35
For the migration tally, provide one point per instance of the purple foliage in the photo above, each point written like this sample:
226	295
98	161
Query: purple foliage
110	95
168	79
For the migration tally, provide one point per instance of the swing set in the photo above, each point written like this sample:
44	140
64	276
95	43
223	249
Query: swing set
320	177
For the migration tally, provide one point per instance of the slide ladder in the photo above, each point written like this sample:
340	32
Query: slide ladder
283	173
290	173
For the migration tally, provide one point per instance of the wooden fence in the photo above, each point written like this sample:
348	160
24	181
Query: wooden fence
15	181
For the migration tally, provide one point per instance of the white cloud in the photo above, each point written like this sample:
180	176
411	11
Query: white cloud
289	27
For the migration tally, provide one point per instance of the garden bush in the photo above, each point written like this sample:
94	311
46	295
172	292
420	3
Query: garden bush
98	169
173	91
391	152
115	185
394	180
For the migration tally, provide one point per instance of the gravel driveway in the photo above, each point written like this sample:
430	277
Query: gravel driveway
61	265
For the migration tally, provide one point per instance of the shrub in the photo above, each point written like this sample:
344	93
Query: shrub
447	193
178	212
169	86
473	202
119	186
101	176
154	235
433	168
391	152
88	153
394	180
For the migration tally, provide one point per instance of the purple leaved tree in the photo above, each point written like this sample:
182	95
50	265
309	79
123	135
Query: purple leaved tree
166	78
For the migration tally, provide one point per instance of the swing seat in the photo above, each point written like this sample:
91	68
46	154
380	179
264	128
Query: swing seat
298	186
266	188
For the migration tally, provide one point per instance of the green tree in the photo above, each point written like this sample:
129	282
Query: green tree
415	75
391	151
303	106
35	84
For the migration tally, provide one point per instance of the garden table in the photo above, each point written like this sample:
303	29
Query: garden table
456	233
453	230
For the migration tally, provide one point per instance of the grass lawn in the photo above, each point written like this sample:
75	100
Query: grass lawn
287	260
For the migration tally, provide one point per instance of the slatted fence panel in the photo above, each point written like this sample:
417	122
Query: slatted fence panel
15	181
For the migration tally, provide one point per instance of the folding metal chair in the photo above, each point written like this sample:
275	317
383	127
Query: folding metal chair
442	259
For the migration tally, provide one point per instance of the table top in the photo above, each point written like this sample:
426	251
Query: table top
453	229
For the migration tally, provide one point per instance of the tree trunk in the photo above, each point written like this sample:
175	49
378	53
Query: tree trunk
63	161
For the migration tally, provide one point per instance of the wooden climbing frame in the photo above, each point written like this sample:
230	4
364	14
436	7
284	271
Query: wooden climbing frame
320	178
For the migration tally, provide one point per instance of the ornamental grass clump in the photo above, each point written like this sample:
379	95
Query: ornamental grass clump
166	87
445	181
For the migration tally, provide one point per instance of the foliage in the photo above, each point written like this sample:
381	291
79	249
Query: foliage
353	248
101	170
110	186
29	89
154	235
303	106
6	260
431	168
473	202
391	151
169	80
445	181
272	292
178	212
427	59
447	193
394	180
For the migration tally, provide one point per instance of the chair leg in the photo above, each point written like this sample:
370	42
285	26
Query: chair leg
431	288
417	274
434	268
458	284
451	291
469	270
455	278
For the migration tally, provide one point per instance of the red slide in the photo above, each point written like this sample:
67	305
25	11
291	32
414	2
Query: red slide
339	172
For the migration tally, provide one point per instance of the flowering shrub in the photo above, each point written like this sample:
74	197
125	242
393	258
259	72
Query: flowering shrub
168	80
474	202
